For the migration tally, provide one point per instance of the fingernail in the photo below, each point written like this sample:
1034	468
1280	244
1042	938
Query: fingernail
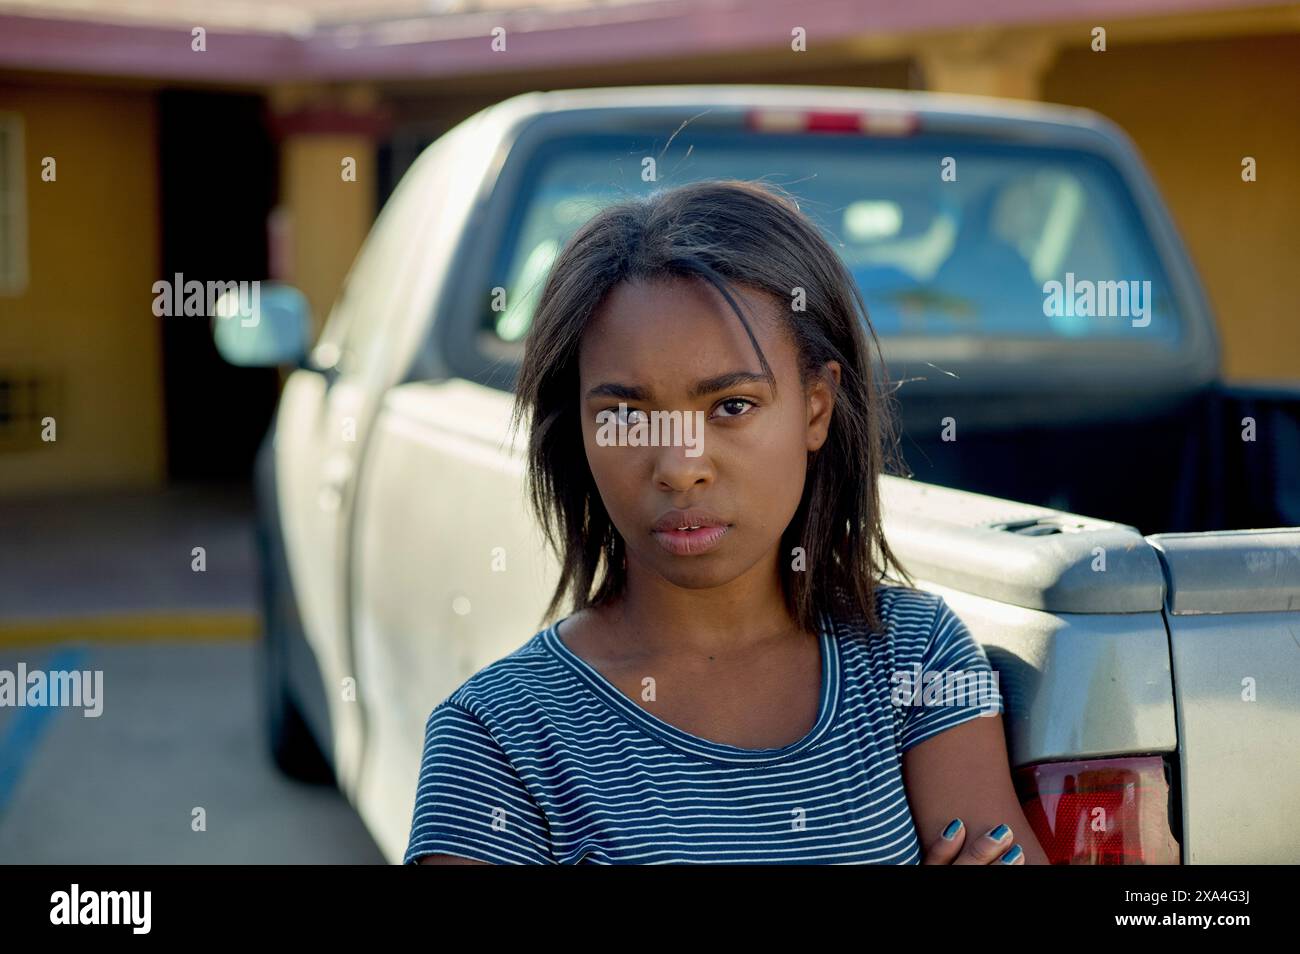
954	826
997	834
1011	856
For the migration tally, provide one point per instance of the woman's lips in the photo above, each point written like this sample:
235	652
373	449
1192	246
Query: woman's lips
690	542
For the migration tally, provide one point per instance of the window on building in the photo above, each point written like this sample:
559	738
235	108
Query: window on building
13	207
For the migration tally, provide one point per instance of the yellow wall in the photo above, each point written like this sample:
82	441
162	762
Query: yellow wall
329	217
1195	108
84	320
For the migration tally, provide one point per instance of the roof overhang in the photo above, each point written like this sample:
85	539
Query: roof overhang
49	39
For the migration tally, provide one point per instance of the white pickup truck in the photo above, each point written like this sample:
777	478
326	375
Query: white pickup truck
1150	660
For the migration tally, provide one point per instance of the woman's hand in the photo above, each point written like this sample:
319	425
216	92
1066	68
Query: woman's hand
987	849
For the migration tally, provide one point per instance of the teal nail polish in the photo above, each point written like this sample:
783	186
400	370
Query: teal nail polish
997	834
954	826
1012	856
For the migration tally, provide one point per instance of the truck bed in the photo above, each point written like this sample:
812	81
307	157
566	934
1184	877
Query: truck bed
1108	642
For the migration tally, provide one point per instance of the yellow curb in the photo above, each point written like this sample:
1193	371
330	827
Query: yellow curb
132	627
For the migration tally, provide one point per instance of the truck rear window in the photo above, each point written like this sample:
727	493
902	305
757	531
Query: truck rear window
968	257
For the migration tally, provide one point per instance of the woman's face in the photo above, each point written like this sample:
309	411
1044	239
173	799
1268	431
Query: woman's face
677	346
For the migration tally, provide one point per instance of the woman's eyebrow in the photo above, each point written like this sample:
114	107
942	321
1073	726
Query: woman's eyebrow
708	386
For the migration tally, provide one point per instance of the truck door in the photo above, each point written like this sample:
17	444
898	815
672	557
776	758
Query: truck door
324	419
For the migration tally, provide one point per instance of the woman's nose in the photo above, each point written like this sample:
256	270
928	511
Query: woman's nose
677	469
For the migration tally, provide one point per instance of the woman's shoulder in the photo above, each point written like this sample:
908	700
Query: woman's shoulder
522	678
916	627
904	614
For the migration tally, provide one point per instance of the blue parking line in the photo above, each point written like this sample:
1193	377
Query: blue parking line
29	724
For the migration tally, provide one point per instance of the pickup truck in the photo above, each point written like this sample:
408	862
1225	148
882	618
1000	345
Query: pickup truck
1148	653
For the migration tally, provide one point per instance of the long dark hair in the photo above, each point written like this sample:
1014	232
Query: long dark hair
724	232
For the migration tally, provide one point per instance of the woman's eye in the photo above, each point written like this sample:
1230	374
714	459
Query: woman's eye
732	402
628	417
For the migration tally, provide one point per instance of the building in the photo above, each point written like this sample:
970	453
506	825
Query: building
140	140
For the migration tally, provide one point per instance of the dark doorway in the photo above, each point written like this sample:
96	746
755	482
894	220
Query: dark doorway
217	165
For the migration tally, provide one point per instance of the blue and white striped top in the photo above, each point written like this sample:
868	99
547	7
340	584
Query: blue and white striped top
539	759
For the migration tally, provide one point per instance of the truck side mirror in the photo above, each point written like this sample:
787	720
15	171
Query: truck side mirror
267	326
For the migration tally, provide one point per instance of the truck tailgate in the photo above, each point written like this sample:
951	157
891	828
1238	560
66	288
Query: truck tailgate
1233	612
1111	644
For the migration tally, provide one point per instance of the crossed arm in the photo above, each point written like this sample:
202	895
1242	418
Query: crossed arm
964	772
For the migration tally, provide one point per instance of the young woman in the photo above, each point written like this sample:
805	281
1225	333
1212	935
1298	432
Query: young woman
725	688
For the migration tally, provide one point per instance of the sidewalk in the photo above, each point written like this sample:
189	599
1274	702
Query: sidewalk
103	584
121	565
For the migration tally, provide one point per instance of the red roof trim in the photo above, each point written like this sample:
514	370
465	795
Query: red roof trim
456	45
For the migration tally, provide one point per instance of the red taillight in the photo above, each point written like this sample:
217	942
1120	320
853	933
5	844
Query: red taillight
824	120
1100	811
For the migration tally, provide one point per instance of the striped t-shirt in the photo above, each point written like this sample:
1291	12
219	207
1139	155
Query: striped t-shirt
539	759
